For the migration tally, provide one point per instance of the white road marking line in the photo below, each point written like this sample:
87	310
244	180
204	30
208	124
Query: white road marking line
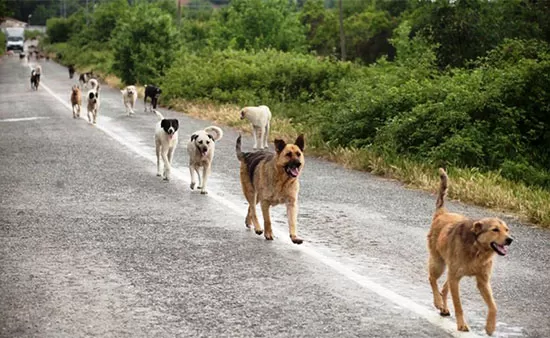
430	315
24	119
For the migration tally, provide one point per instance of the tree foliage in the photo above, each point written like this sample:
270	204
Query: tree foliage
144	44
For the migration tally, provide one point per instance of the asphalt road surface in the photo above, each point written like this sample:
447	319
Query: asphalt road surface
92	243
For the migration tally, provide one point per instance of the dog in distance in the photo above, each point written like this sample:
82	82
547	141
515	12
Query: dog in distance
35	77
129	97
260	119
152	92
76	101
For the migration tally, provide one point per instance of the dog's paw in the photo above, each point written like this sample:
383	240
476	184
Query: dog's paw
268	237
489	331
192	185
259	232
296	240
462	327
166	179
159	174
204	192
444	313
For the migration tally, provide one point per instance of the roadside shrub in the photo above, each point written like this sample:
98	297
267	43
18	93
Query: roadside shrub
249	78
144	44
58	29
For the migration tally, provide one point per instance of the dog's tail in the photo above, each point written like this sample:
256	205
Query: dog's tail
240	154
159	115
218	132
442	189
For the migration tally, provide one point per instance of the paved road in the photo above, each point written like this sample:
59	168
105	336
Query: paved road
92	243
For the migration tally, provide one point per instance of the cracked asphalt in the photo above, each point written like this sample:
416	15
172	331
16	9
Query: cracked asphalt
92	243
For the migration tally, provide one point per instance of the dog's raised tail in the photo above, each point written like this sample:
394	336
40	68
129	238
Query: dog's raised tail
240	154
442	189
215	132
160	116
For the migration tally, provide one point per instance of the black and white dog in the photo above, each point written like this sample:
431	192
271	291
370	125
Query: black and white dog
84	78
71	71
153	92
166	140
93	105
35	77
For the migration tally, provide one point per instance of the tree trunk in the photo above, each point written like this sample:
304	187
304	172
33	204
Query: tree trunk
342	35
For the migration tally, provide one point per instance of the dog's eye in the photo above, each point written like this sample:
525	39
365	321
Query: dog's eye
298	154
496	230
207	142
288	154
200	142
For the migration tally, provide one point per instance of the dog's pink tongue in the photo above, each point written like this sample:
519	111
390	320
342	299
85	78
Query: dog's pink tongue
294	171
503	249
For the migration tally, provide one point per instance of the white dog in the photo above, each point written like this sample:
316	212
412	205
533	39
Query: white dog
129	97
260	118
93	84
201	148
166	140
93	105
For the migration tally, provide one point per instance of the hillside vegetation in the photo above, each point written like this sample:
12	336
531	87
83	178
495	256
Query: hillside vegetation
463	84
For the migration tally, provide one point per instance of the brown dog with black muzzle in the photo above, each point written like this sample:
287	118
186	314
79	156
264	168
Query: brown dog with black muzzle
466	247
271	179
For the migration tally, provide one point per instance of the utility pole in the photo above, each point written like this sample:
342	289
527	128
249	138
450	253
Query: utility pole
342	35
179	13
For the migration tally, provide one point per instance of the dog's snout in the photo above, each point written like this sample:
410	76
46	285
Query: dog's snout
509	240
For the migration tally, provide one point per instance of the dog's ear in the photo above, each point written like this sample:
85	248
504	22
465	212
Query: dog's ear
300	142
279	145
477	227
194	137
175	124
211	137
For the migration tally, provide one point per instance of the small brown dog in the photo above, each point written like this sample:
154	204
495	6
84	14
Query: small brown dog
76	101
272	179
467	248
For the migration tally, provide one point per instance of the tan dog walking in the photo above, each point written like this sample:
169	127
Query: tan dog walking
271	179
467	248
76	101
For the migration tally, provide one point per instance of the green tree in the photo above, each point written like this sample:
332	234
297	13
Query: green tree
258	24
143	44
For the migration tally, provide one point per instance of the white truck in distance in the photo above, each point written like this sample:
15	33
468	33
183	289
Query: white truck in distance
15	38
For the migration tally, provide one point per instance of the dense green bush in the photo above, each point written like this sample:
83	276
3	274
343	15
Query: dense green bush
144	44
248	78
2	43
59	29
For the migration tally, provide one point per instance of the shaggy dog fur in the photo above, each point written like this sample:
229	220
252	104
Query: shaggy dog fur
271	179
166	140
260	118
466	247
129	97
76	101
200	149
93	105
